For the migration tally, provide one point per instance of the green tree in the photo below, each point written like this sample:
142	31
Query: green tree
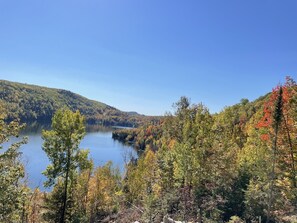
11	173
61	145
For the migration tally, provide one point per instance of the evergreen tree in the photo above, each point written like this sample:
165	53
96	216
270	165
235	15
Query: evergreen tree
61	145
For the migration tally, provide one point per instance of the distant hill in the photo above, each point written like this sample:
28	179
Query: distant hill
32	103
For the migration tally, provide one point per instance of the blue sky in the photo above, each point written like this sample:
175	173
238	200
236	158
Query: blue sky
141	56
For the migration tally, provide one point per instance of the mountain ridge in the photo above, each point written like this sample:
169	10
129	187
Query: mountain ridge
29	103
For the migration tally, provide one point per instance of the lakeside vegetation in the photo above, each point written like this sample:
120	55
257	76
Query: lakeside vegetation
235	166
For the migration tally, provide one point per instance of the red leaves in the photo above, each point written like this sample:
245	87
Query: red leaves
266	122
265	137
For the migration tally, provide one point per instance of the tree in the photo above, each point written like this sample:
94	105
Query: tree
11	172
273	185
103	192
61	145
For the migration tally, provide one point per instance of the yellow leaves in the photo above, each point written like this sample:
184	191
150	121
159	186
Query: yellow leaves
101	189
156	189
119	193
143	178
149	159
171	143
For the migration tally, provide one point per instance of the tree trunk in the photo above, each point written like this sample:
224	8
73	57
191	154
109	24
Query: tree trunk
291	153
278	113
65	188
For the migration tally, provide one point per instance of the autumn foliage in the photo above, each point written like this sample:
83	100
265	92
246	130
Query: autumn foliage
238	165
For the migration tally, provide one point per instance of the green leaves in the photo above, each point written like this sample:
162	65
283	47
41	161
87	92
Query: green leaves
61	145
11	173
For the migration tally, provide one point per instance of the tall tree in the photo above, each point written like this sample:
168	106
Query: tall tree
277	128
11	172
61	145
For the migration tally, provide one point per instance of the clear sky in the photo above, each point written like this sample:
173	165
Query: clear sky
142	55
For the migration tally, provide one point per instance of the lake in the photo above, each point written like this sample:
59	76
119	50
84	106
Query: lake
99	141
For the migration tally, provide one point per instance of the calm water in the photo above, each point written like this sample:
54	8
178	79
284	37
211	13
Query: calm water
102	149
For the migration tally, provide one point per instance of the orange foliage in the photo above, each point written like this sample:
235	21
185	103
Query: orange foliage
266	122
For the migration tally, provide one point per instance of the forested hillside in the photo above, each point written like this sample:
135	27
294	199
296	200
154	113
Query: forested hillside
238	165
32	103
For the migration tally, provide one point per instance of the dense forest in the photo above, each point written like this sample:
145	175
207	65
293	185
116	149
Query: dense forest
31	103
235	166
